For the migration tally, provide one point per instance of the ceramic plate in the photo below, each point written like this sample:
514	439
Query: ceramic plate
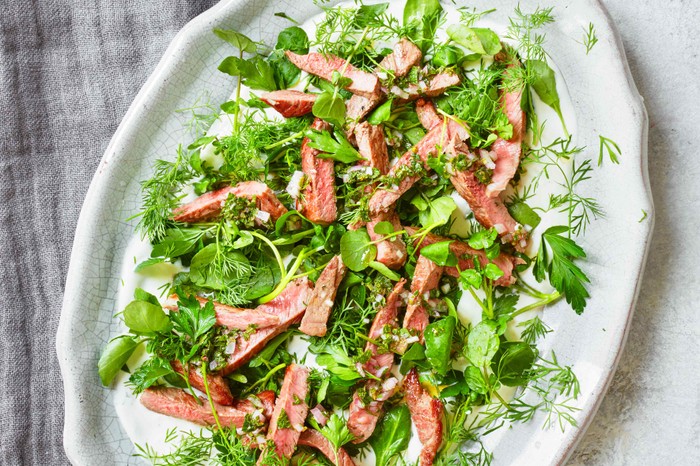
605	102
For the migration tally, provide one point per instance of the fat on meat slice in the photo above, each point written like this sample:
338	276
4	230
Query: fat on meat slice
362	83
289	414
290	103
289	305
465	255
322	298
318	201
314	439
365	410
491	212
218	387
209	205
178	403
426	413
233	317
426	278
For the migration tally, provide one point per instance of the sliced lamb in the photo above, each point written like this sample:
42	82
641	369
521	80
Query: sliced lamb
508	153
321	302
358	107
313	438
465	254
426	414
427	115
439	83
233	317
366	407
426	278
218	387
318	201
290	103
289	306
209	205
264	401
371	145
289	415
491	212
390	252
178	403
363	83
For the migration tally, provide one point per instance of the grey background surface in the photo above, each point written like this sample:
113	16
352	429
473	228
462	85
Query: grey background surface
68	72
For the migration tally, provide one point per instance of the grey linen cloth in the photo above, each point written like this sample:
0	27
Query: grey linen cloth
68	72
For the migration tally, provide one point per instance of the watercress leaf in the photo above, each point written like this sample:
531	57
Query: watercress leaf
416	352
423	17
491	271
380	114
447	55
475	380
294	39
147	263
420	203
367	13
142	295
440	253
357	250
438	343
255	72
523	213
114	356
483	239
544	83
392	434
470	277
479	40
285	72
384	228
238	40
513	362
339	80
482	343
384	270
145	318
329	107
244	239
438	212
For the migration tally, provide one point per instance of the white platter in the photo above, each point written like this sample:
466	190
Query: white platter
605	102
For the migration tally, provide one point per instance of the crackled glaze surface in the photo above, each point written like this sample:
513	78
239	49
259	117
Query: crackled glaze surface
606	103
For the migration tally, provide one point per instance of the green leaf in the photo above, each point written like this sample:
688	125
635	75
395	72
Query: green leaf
384	228
149	373
513	362
380	114
236	39
384	270
479	40
523	213
392	435
177	242
191	319
475	380
423	17
145	318
338	363
482	343
357	250
142	295
294	39
470	277
483	239
255	72
329	107
368	13
611	147
492	272
334	147
438	343
337	432
114	356
147	263
447	55
438	212
440	253
544	83
245	238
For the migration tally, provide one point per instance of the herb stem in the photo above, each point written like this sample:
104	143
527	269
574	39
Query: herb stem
285	140
275	251
550	298
267	377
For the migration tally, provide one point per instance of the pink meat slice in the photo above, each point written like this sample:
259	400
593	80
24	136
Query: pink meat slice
218	387
323	66
180	404
358	107
318	201
209	205
313	438
321	302
427	115
439	83
288	306
465	255
233	317
362	418
426	278
292	406
290	103
426	413
371	145
508	152
392	251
